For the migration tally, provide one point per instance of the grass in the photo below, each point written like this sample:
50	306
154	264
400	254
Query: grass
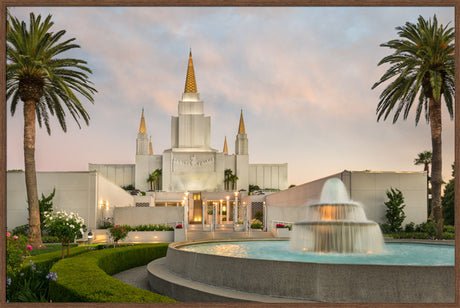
50	247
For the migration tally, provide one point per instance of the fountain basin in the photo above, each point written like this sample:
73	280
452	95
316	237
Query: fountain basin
309	281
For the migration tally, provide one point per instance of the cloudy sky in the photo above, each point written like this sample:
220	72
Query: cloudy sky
302	77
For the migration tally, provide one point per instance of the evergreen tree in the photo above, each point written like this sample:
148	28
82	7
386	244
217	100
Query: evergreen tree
448	201
395	209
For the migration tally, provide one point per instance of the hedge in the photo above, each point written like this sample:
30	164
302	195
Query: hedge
87	278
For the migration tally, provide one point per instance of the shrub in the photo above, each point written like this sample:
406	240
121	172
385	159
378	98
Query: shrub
410	227
450	229
31	285
118	232
259	215
45	206
65	226
107	223
386	228
427	227
17	249
86	278
21	230
395	209
50	239
256	224
448	236
411	235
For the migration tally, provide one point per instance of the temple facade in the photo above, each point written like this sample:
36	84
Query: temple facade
191	164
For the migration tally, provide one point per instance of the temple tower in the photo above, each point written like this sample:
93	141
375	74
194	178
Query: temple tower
142	140
242	157
190	129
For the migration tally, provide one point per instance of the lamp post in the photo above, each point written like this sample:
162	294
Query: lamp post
186	210
203	210
220	210
90	237
265	216
214	216
235	211
228	209
245	217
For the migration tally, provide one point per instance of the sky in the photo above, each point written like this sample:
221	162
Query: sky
302	77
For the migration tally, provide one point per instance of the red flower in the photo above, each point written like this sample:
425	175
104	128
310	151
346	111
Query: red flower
29	247
280	226
179	226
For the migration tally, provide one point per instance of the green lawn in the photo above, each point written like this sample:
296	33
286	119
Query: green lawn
50	247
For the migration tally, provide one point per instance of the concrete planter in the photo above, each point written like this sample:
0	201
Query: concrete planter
281	232
179	235
149	236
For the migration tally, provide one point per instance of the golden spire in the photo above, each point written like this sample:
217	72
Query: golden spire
225	146
150	146
190	82
241	129
142	127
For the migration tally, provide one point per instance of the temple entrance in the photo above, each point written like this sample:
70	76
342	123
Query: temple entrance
197	213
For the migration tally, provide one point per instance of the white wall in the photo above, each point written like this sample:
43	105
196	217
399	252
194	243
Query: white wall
266	176
368	188
74	192
78	192
120	174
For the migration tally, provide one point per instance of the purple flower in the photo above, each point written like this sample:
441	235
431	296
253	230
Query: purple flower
8	281
21	274
52	276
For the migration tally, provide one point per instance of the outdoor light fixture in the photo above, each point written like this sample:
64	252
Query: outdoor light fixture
90	237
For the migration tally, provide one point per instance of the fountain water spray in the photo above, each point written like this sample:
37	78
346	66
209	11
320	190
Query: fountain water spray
336	224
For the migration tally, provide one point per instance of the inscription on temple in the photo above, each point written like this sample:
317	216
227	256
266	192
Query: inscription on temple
193	163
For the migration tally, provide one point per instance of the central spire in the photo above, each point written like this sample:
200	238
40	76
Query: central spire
142	129
190	82
241	129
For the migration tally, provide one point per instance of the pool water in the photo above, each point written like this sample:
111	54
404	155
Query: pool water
394	253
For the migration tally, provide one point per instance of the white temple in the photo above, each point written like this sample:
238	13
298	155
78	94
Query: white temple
191	164
191	177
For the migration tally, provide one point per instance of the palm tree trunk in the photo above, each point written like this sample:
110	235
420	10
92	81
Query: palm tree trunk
436	164
30	173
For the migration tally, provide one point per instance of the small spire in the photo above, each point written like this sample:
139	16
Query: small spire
150	146
190	82
142	128
225	146
241	129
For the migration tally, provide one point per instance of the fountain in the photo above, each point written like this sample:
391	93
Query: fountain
299	271
336	224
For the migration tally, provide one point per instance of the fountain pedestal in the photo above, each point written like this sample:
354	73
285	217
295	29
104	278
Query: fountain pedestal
336	224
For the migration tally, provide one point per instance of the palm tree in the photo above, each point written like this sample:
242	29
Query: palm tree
228	174
234	179
422	65
157	174
38	75
424	158
151	179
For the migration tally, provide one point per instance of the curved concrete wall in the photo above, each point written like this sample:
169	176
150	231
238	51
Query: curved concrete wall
317	281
